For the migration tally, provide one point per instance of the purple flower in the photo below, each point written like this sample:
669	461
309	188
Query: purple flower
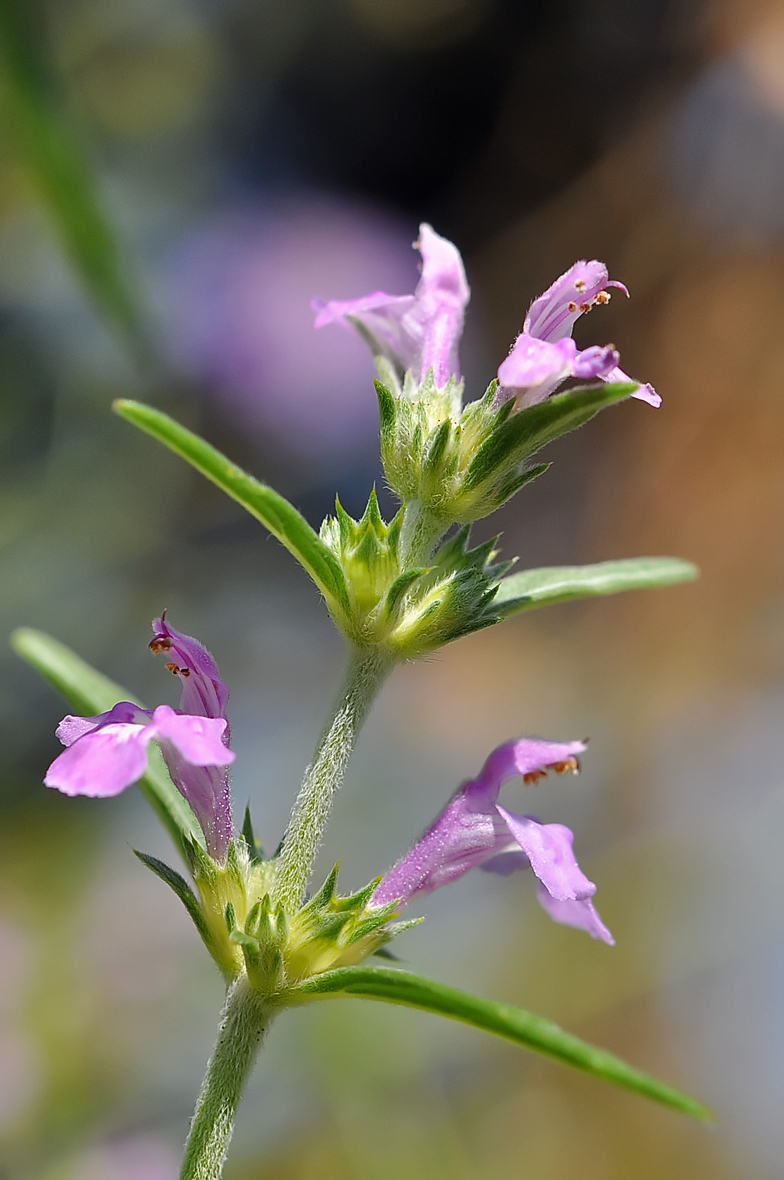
474	831
544	354
415	332
107	753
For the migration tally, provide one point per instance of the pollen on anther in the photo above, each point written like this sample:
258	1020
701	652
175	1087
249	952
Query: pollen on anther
585	307
173	668
568	764
580	285
603	297
572	307
533	776
160	643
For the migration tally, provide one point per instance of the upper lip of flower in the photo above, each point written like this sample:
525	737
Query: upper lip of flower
416	332
473	831
203	693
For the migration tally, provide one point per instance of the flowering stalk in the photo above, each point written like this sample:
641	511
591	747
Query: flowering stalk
420	533
244	1021
398	590
367	670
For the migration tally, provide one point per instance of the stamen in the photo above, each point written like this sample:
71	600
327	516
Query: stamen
584	307
160	643
569	764
176	670
603	297
580	285
572	307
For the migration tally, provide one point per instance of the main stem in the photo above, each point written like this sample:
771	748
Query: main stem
243	1022
419	534
367	671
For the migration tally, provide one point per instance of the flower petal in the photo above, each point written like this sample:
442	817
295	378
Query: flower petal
102	762
441	297
207	790
506	863
528	757
645	393
553	315
580	914
415	332
549	849
597	361
198	739
71	728
471	829
203	693
534	369
460	839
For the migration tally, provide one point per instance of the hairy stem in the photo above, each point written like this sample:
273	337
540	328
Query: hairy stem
367	671
243	1023
418	537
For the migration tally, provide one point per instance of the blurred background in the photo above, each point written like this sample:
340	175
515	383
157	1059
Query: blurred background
216	165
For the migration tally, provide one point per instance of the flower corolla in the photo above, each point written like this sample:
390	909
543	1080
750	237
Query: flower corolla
544	354
475	831
419	332
106	753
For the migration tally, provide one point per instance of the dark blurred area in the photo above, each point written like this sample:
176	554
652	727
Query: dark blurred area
249	157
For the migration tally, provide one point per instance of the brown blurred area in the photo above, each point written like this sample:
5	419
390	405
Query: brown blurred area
657	147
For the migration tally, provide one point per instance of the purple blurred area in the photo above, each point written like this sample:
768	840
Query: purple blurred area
237	300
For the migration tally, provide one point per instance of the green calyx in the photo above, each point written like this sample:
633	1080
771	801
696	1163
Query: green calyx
369	553
248	934
409	610
463	464
225	895
327	932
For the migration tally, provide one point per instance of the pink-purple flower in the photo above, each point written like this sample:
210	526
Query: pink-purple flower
474	831
544	355
107	753
416	332
420	332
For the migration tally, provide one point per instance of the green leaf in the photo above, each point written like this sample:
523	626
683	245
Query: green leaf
522	434
274	512
49	148
255	851
386	408
515	1024
540	587
89	692
181	888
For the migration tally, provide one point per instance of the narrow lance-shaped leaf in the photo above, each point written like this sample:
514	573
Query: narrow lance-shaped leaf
273	510
48	147
89	692
183	890
515	1024
541	587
